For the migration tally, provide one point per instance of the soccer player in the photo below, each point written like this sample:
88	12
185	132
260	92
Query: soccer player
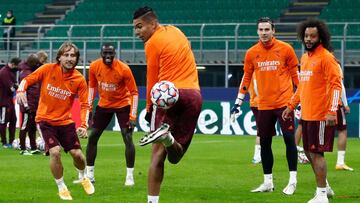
118	95
43	57
254	108
28	124
8	86
319	94
60	84
341	127
275	64
302	159
169	57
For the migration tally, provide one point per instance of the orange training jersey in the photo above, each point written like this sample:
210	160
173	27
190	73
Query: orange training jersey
169	57
57	94
253	92
320	85
116	85
276	68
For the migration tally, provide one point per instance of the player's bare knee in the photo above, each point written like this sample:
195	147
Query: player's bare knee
55	152
77	154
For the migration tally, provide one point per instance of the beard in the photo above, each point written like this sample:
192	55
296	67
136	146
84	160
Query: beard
316	44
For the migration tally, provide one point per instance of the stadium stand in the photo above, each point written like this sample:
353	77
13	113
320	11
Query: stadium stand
89	16
180	12
344	11
23	9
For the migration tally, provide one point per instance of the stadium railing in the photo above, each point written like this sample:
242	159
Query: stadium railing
213	43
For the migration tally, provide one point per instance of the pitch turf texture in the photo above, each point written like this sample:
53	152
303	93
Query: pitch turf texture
215	169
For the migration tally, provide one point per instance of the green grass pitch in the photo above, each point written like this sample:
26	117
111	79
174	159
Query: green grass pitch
214	169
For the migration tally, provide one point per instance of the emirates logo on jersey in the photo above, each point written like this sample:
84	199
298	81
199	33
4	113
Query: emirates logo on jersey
305	75
108	87
57	92
268	65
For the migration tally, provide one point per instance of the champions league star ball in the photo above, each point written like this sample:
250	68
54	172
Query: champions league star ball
164	94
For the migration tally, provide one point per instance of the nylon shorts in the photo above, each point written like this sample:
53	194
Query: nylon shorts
182	117
63	135
103	117
317	137
266	120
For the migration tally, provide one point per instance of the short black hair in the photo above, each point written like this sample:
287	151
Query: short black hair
266	20
15	61
107	45
146	10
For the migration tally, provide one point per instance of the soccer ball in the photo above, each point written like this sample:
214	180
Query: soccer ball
16	144
164	94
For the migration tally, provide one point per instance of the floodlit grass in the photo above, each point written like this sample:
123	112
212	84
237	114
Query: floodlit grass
215	169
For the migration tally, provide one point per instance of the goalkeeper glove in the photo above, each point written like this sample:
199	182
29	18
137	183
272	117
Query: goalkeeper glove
235	110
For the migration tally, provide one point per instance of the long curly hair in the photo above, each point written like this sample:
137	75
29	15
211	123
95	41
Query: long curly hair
323	30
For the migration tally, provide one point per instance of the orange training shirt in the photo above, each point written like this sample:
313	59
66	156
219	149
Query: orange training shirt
116	85
169	57
276	68
57	94
320	85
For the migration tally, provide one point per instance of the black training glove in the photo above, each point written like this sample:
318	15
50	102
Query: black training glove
235	110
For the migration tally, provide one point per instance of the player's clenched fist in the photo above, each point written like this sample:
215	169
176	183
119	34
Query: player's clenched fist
82	132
